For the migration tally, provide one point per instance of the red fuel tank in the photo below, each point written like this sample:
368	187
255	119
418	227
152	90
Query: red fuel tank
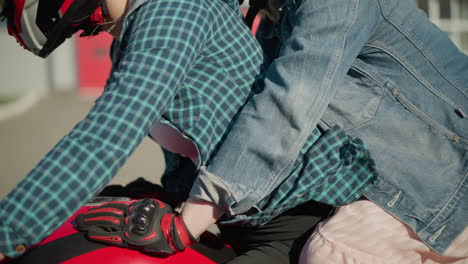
68	246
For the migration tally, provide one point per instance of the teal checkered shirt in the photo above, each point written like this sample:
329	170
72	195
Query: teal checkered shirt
189	64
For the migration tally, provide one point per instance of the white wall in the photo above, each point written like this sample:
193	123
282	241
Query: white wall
63	68
21	71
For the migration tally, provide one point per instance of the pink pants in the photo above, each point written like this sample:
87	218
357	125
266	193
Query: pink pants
364	233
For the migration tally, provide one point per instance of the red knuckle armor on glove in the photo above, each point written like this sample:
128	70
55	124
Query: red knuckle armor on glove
148	225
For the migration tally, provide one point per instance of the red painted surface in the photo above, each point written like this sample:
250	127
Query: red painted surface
113	255
255	23
93	63
117	255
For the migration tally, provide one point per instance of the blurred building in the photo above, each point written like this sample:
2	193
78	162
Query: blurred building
22	72
451	16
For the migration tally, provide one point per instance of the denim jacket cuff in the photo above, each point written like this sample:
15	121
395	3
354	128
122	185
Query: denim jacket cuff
209	187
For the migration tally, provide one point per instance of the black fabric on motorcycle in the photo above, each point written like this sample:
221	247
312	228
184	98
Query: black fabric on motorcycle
68	247
59	250
279	241
255	7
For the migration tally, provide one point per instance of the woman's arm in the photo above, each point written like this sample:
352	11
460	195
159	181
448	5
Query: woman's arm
138	91
199	215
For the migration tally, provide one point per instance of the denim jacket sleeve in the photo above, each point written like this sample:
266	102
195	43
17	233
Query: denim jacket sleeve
258	153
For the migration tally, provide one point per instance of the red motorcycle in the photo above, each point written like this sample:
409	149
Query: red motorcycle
68	246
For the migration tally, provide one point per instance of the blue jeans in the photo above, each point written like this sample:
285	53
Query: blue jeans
384	73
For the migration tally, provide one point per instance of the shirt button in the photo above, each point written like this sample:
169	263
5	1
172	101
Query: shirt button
20	249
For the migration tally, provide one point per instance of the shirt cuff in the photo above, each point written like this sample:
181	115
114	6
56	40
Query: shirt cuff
208	187
11	244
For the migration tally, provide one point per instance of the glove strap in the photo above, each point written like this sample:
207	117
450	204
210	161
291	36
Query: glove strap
176	233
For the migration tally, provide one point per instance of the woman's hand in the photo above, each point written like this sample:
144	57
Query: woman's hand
199	215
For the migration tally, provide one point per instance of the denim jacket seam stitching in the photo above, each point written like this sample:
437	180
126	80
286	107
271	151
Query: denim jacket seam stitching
410	69
418	47
381	94
389	87
275	175
447	204
232	194
427	119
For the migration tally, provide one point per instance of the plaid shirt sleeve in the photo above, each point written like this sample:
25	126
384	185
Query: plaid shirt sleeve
159	42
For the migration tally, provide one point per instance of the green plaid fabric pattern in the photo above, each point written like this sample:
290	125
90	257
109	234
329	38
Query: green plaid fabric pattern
188	63
332	168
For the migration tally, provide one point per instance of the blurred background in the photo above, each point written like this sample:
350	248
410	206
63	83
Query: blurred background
42	99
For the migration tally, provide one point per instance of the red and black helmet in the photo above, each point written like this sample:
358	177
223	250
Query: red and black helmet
40	26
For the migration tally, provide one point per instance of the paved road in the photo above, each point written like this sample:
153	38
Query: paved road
27	137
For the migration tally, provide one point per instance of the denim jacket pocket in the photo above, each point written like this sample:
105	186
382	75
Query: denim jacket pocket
424	117
355	102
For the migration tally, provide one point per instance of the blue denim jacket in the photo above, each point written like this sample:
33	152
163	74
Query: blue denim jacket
384	73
